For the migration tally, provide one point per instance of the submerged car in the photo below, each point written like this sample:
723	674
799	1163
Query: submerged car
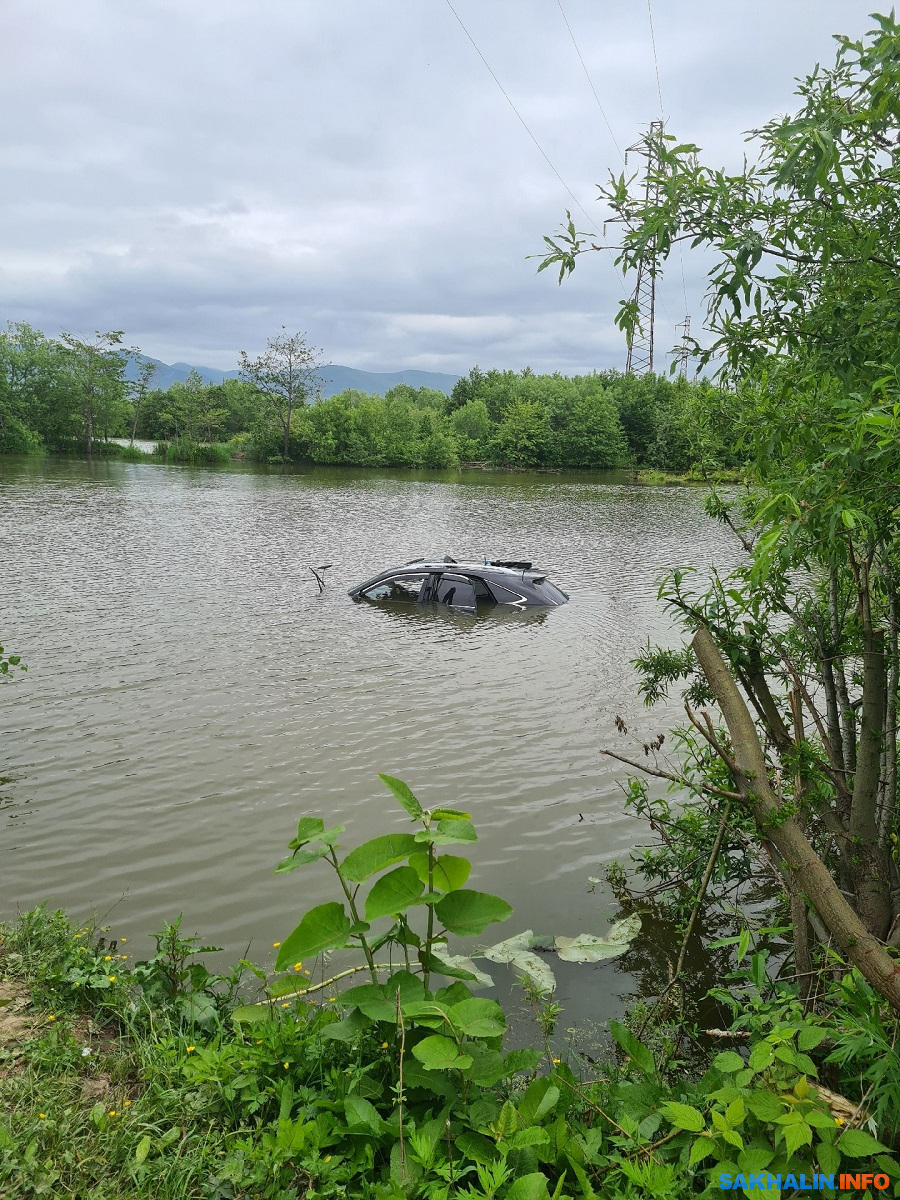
465	587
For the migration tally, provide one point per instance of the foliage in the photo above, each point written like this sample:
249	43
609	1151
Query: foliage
283	378
9	663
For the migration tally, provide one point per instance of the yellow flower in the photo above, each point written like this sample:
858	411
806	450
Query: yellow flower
51	1016
328	1158
331	999
285	1065
112	1112
298	966
838	1120
190	1049
79	935
111	978
275	945
286	1004
107	958
555	1061
123	939
384	1045
43	1116
126	1104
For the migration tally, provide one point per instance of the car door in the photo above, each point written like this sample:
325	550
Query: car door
457	592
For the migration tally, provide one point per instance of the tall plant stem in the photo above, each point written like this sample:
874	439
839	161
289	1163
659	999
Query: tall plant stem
429	934
366	949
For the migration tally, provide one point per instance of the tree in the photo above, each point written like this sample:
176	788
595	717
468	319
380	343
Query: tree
285	375
803	313
191	410
137	392
97	379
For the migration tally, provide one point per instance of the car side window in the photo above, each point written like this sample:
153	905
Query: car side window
404	588
504	596
483	594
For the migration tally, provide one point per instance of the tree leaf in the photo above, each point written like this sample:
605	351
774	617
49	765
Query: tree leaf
324	927
477	1147
393	893
468	913
636	1051
299	859
457	966
307	829
798	1135
375	855
761	1056
683	1116
404	795
506	951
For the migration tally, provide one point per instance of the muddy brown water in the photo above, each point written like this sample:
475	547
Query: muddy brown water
190	692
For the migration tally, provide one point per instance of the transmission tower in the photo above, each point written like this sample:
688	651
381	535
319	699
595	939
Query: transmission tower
684	350
640	351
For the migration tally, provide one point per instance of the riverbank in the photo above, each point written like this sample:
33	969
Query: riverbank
238	451
129	1080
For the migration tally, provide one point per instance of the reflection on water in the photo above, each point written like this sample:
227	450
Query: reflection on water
190	692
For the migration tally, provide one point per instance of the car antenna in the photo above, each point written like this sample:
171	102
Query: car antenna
319	574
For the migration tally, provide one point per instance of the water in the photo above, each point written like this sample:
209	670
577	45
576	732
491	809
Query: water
190	693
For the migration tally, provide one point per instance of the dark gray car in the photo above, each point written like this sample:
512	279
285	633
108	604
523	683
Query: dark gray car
466	587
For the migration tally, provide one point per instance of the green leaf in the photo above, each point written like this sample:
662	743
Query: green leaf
683	1116
299	859
829	1158
529	1187
438	1053
404	795
307	829
478	1018
728	1061
477	1147
701	1147
625	930
798	1135
324	927
810	1036
375	855
754	1159
735	1112
143	1149
507	1121
457	966
516	952
370	999
856	1143
360	1112
393	893
761	1056
765	1105
529	1137
636	1051
249	1013
541	1097
449	873
450	814
449	832
520	1060
468	913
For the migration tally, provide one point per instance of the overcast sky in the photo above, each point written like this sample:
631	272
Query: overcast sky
201	172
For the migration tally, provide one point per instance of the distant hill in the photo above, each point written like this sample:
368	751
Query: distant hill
334	378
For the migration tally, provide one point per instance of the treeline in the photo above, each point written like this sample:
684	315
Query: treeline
58	395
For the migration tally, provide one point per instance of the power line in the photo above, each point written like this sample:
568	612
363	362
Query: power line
518	114
655	59
590	81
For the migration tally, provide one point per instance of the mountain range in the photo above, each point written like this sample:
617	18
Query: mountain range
334	378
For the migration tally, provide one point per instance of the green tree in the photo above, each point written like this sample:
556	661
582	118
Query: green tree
284	376
523	435
96	371
804	319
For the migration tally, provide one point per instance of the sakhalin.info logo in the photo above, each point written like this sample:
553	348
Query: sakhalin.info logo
804	1183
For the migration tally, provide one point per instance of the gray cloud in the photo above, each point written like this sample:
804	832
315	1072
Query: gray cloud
200	174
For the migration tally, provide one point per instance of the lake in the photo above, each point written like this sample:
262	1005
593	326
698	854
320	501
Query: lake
190	692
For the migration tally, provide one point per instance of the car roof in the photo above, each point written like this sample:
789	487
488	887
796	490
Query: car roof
473	567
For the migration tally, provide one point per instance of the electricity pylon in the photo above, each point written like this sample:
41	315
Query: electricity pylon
684	350
640	350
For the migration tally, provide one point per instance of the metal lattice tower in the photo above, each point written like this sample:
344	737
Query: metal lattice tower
640	351
684	350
